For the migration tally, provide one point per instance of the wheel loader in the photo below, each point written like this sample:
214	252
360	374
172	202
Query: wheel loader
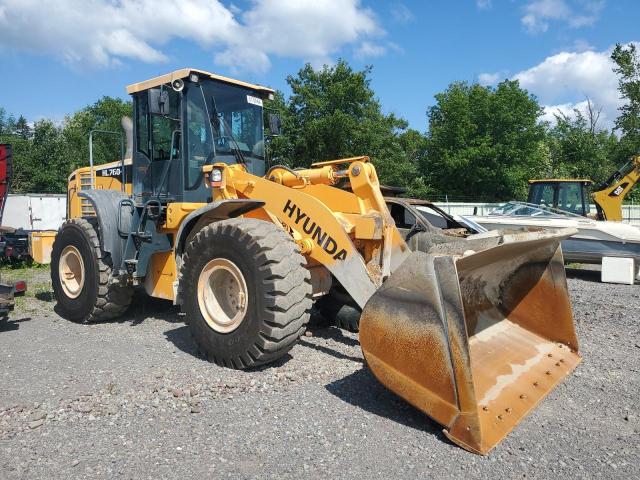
572	194
473	332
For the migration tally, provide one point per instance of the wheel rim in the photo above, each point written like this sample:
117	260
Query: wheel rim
71	271
222	295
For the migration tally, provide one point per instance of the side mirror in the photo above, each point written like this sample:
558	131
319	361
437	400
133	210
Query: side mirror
275	124
159	101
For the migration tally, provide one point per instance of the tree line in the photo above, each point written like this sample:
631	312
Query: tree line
482	142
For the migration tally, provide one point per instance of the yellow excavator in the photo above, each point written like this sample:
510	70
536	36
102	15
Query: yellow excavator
474	332
572	195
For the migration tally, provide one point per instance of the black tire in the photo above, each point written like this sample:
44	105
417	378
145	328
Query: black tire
98	300
278	291
336	311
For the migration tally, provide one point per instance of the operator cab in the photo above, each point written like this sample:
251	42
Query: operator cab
567	195
187	119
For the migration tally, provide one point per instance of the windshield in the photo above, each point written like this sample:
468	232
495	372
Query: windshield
223	119
521	209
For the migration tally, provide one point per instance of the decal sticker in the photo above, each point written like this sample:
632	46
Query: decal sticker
115	172
619	189
254	100
322	239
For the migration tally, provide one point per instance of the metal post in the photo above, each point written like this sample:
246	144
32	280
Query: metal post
93	185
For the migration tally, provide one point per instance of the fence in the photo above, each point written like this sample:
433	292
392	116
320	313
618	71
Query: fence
630	213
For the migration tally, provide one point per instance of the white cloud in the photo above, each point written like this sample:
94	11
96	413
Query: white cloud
604	120
368	49
107	32
401	14
539	13
570	75
487	79
564	81
581	45
484	4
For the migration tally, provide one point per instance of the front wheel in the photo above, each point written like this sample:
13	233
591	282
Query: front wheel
246	292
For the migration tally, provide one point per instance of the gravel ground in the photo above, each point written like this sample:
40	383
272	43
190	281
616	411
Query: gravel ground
133	399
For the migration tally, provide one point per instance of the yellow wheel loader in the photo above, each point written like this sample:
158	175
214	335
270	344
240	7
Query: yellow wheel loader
572	194
473	332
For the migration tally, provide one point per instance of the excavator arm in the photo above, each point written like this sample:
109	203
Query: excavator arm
609	198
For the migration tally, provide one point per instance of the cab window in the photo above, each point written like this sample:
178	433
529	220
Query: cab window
542	194
570	198
200	148
165	127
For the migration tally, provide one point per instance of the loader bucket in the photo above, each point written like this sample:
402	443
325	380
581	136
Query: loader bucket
476	338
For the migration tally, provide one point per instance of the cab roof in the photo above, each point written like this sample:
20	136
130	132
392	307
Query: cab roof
184	73
558	180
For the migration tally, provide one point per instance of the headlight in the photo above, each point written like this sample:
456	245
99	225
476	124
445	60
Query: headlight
215	177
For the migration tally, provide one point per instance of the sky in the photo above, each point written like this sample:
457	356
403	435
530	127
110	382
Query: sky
57	56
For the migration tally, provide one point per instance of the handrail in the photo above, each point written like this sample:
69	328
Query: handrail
107	132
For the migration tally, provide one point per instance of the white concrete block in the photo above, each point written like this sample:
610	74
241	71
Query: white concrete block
618	270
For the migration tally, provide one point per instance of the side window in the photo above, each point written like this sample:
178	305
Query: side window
433	217
570	198
142	127
542	194
401	216
164	128
586	199
409	219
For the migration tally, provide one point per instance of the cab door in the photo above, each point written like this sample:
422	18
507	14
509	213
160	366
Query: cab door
158	145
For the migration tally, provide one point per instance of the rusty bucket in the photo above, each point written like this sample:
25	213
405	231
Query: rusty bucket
475	334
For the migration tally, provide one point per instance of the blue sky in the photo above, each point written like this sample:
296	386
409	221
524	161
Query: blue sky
58	56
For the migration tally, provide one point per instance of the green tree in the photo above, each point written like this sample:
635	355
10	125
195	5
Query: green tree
22	128
627	67
579	149
46	154
484	142
333	113
39	162
105	114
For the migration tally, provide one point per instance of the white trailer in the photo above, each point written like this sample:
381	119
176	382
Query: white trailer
35	211
30	224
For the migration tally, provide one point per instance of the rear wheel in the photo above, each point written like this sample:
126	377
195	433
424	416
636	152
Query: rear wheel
80	274
245	291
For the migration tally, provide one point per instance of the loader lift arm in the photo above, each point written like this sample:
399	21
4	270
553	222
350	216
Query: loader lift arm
610	194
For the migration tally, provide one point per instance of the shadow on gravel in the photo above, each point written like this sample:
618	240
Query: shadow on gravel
332	333
181	338
143	306
329	351
10	325
583	274
362	390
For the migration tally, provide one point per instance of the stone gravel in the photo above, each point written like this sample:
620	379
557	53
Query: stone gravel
134	399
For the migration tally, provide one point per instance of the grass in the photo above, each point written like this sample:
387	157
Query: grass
38	282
